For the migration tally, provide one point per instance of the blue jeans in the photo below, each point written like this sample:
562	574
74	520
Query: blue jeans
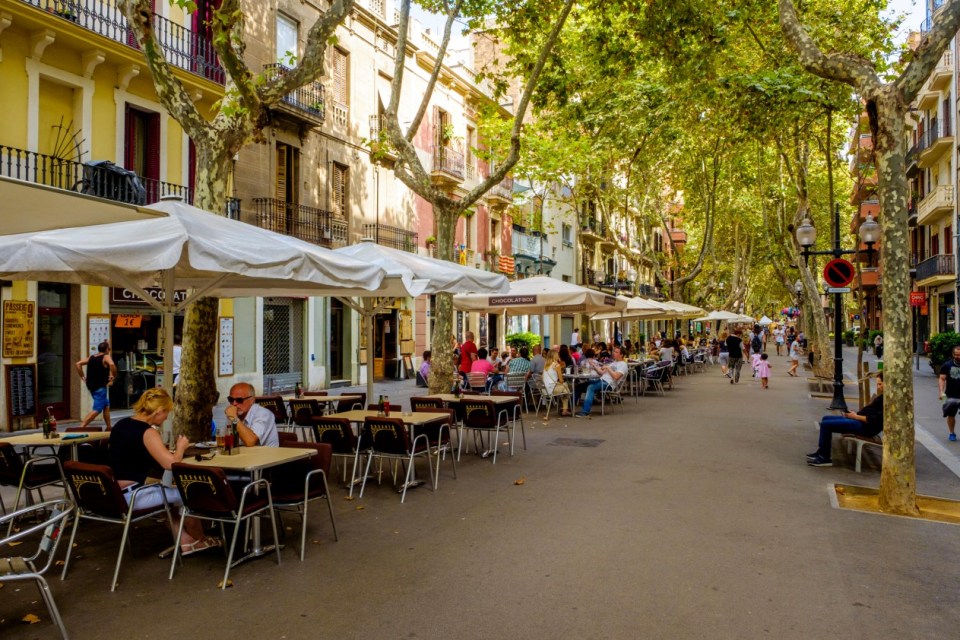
592	389
830	425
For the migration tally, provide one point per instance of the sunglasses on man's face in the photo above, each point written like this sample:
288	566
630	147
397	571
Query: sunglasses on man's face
232	400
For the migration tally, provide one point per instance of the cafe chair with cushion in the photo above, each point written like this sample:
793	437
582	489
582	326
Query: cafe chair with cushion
352	403
477	382
438	435
481	416
296	484
302	414
514	411
277	407
287	438
426	403
338	433
517	382
19	568
99	498
208	495
390	439
33	475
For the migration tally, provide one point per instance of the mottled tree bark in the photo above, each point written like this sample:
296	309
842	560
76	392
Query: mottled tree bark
887	105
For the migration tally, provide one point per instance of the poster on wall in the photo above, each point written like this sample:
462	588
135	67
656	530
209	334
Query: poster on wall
98	330
18	327
225	347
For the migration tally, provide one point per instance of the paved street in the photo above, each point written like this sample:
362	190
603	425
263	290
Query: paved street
695	517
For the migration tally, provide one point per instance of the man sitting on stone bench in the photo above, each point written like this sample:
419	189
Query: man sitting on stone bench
867	422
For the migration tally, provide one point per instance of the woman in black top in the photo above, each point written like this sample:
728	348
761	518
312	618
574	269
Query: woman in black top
565	356
137	452
867	422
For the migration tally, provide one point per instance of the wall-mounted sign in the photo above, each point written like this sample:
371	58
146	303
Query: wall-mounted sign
126	296
126	321
18	327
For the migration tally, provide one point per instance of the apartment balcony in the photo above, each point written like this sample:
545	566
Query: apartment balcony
936	141
679	237
447	167
320	227
936	270
100	179
942	74
869	278
912	215
936	205
182	47
303	105
380	145
593	229
910	161
393	237
501	194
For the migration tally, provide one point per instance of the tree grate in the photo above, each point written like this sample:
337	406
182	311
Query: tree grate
576	442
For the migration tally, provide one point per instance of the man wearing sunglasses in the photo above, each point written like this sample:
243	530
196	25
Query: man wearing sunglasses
255	424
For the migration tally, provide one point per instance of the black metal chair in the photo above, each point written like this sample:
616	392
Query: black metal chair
22	568
390	439
352	403
277	407
208	495
302	414
296	484
514	410
481	416
99	497
438	435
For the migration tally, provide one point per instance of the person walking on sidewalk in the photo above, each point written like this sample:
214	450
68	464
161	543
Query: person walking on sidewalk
866	422
101	372
735	348
950	391
763	371
794	358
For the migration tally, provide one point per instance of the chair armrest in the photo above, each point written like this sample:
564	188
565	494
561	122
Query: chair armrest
251	485
67	506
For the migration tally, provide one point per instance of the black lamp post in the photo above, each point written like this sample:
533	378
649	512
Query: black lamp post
807	237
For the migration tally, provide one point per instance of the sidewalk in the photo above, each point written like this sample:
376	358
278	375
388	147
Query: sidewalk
693	515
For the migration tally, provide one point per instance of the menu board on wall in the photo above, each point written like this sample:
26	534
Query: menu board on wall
21	390
225	347
18	321
98	330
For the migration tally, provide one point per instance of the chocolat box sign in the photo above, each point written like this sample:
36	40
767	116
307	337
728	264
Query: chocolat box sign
126	296
507	301
610	300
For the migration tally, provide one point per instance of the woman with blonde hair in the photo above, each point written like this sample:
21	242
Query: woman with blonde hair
553	380
137	451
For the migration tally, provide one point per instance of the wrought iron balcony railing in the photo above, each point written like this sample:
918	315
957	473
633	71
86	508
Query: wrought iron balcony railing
318	226
449	161
308	98
939	265
392	237
182	47
100	179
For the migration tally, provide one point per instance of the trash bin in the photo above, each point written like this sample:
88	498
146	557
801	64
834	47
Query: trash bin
103	179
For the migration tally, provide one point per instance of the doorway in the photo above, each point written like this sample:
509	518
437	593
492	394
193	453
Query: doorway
53	349
335	345
385	359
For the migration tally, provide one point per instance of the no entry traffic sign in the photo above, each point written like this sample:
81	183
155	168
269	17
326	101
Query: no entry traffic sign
838	272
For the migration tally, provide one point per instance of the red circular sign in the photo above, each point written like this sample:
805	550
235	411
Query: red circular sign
838	272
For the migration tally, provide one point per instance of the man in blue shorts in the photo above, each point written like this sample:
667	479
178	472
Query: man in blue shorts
101	372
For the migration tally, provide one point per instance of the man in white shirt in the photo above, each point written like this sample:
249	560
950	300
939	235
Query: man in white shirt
256	425
610	376
575	337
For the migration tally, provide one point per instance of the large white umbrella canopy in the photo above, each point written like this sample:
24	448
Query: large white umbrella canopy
541	295
188	248
432	276
724	316
636	308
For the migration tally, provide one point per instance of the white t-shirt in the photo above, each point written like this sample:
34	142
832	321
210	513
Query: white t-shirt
177	353
795	350
619	366
574	338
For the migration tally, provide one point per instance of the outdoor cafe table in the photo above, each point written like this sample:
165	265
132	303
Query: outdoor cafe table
449	397
411	419
69	439
254	460
579	377
324	400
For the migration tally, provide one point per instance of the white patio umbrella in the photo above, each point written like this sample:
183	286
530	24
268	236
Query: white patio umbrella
635	308
188	248
541	295
722	316
431	276
764	321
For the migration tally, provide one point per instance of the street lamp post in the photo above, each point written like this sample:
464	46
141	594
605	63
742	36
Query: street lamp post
807	236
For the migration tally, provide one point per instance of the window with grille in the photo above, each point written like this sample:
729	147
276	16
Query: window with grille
341	190
341	76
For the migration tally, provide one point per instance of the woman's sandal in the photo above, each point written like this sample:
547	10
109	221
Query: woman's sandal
200	545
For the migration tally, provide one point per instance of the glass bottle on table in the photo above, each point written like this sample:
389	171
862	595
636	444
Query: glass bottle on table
386	406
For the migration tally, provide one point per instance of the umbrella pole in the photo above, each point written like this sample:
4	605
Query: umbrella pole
370	316
168	313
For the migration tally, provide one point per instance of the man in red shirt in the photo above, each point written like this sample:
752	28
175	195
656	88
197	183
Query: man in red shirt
468	353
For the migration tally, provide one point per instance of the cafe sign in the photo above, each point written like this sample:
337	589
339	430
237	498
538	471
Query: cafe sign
18	323
126	296
508	301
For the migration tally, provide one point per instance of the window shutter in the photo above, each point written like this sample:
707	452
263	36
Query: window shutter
282	173
152	150
339	186
130	141
340	85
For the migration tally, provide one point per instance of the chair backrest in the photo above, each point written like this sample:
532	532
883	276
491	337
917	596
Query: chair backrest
303	411
348	405
433	430
276	406
477	381
288	478
95	489
418	403
287	439
420	381
387	435
336	432
479	413
516	381
11	466
205	490
316	394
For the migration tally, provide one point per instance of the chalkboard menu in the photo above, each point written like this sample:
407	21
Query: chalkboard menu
21	390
